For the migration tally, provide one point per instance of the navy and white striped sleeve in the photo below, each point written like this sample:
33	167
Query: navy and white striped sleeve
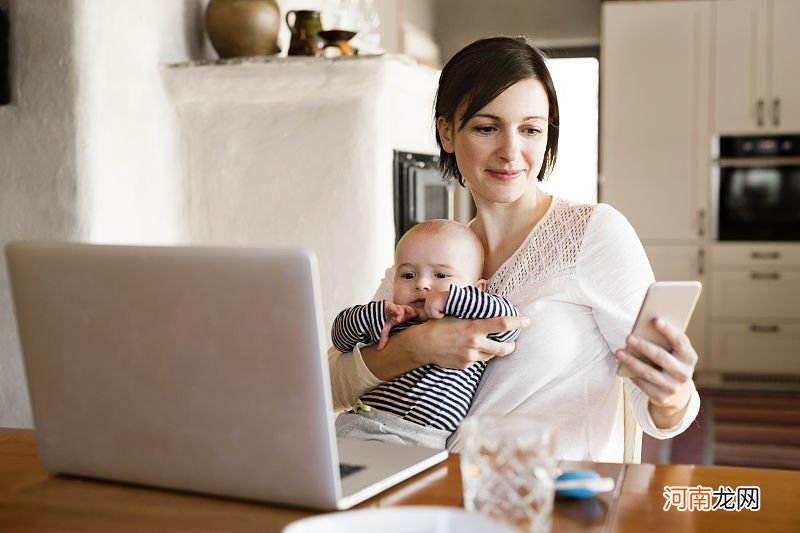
471	302
360	323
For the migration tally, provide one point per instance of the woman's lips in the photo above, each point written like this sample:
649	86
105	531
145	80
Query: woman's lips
504	175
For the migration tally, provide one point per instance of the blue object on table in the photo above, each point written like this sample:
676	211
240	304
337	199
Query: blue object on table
582	484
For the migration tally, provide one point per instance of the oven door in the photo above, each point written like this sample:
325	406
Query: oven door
433	197
420	192
758	199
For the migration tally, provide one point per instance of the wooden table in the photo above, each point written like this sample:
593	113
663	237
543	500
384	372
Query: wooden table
31	499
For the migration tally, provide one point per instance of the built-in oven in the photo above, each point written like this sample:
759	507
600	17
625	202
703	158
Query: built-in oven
420	193
756	188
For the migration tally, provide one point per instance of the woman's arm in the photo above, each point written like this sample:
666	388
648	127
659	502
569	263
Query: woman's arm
448	342
350	378
615	274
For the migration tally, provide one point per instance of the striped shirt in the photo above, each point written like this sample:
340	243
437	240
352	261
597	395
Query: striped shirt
429	395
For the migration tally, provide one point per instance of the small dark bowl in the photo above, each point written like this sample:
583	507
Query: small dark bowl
333	36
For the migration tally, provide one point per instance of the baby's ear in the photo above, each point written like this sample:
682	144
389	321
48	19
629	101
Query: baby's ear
482	284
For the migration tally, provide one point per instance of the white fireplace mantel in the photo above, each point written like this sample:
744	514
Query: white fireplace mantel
298	151
286	78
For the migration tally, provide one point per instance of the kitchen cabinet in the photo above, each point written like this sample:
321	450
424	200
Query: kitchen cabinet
755	320
756	292
654	128
754	349
680	263
672	74
756	66
654	115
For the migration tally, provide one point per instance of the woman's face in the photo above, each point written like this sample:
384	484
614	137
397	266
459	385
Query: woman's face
500	150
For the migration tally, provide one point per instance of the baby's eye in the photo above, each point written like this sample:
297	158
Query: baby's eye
407	275
442	275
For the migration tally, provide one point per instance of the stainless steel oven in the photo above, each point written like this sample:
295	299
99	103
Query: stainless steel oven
420	193
756	188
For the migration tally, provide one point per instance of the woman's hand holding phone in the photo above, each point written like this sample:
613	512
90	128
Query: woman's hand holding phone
670	388
658	356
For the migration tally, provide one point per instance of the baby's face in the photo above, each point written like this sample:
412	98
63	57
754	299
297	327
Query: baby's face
431	262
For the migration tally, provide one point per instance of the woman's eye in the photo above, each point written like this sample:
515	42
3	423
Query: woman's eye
441	275
407	275
485	129
532	131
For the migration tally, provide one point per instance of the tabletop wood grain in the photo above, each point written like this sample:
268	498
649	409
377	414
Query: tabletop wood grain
34	500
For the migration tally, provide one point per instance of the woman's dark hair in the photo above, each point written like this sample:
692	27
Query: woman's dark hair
476	75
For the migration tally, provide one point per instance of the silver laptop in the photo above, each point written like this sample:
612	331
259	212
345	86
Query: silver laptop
199	369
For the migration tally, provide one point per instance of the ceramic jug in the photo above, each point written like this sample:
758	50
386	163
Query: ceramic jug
305	26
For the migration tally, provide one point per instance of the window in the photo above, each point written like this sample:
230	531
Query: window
576	78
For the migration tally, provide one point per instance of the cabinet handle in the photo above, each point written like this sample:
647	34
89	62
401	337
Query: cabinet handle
701	222
765	255
776	112
765	275
764	329
760	112
701	261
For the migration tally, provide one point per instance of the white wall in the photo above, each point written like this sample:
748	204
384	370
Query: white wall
87	149
126	143
38	189
561	23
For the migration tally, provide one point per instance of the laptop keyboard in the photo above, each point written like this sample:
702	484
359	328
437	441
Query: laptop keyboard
345	469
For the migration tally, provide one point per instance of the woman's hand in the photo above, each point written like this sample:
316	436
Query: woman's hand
669	389
449	342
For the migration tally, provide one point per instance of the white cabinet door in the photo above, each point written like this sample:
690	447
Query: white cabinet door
759	292
654	124
758	348
756	66
683	263
743	255
784	108
740	101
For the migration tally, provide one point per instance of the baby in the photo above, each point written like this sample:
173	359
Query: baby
438	267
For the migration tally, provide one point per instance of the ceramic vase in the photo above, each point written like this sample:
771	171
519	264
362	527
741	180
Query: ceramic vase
240	28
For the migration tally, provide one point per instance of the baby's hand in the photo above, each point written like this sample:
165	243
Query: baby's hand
435	303
395	314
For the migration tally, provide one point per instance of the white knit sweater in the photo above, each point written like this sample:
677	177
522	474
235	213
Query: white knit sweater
580	277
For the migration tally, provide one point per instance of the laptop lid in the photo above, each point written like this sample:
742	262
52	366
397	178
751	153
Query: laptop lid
192	368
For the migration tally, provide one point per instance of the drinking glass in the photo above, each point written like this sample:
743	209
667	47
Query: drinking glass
508	470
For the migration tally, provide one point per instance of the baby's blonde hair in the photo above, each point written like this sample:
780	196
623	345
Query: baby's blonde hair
449	228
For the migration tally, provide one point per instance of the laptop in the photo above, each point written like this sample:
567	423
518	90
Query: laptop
192	368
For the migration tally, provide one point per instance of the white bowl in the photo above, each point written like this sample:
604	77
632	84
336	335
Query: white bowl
409	519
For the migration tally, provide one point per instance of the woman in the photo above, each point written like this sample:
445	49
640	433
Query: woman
578	272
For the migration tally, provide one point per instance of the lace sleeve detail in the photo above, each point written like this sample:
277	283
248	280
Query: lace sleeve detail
550	250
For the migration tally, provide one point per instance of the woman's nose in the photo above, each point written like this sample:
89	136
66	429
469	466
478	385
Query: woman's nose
509	146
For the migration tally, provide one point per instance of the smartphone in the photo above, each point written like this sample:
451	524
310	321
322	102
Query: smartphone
672	301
